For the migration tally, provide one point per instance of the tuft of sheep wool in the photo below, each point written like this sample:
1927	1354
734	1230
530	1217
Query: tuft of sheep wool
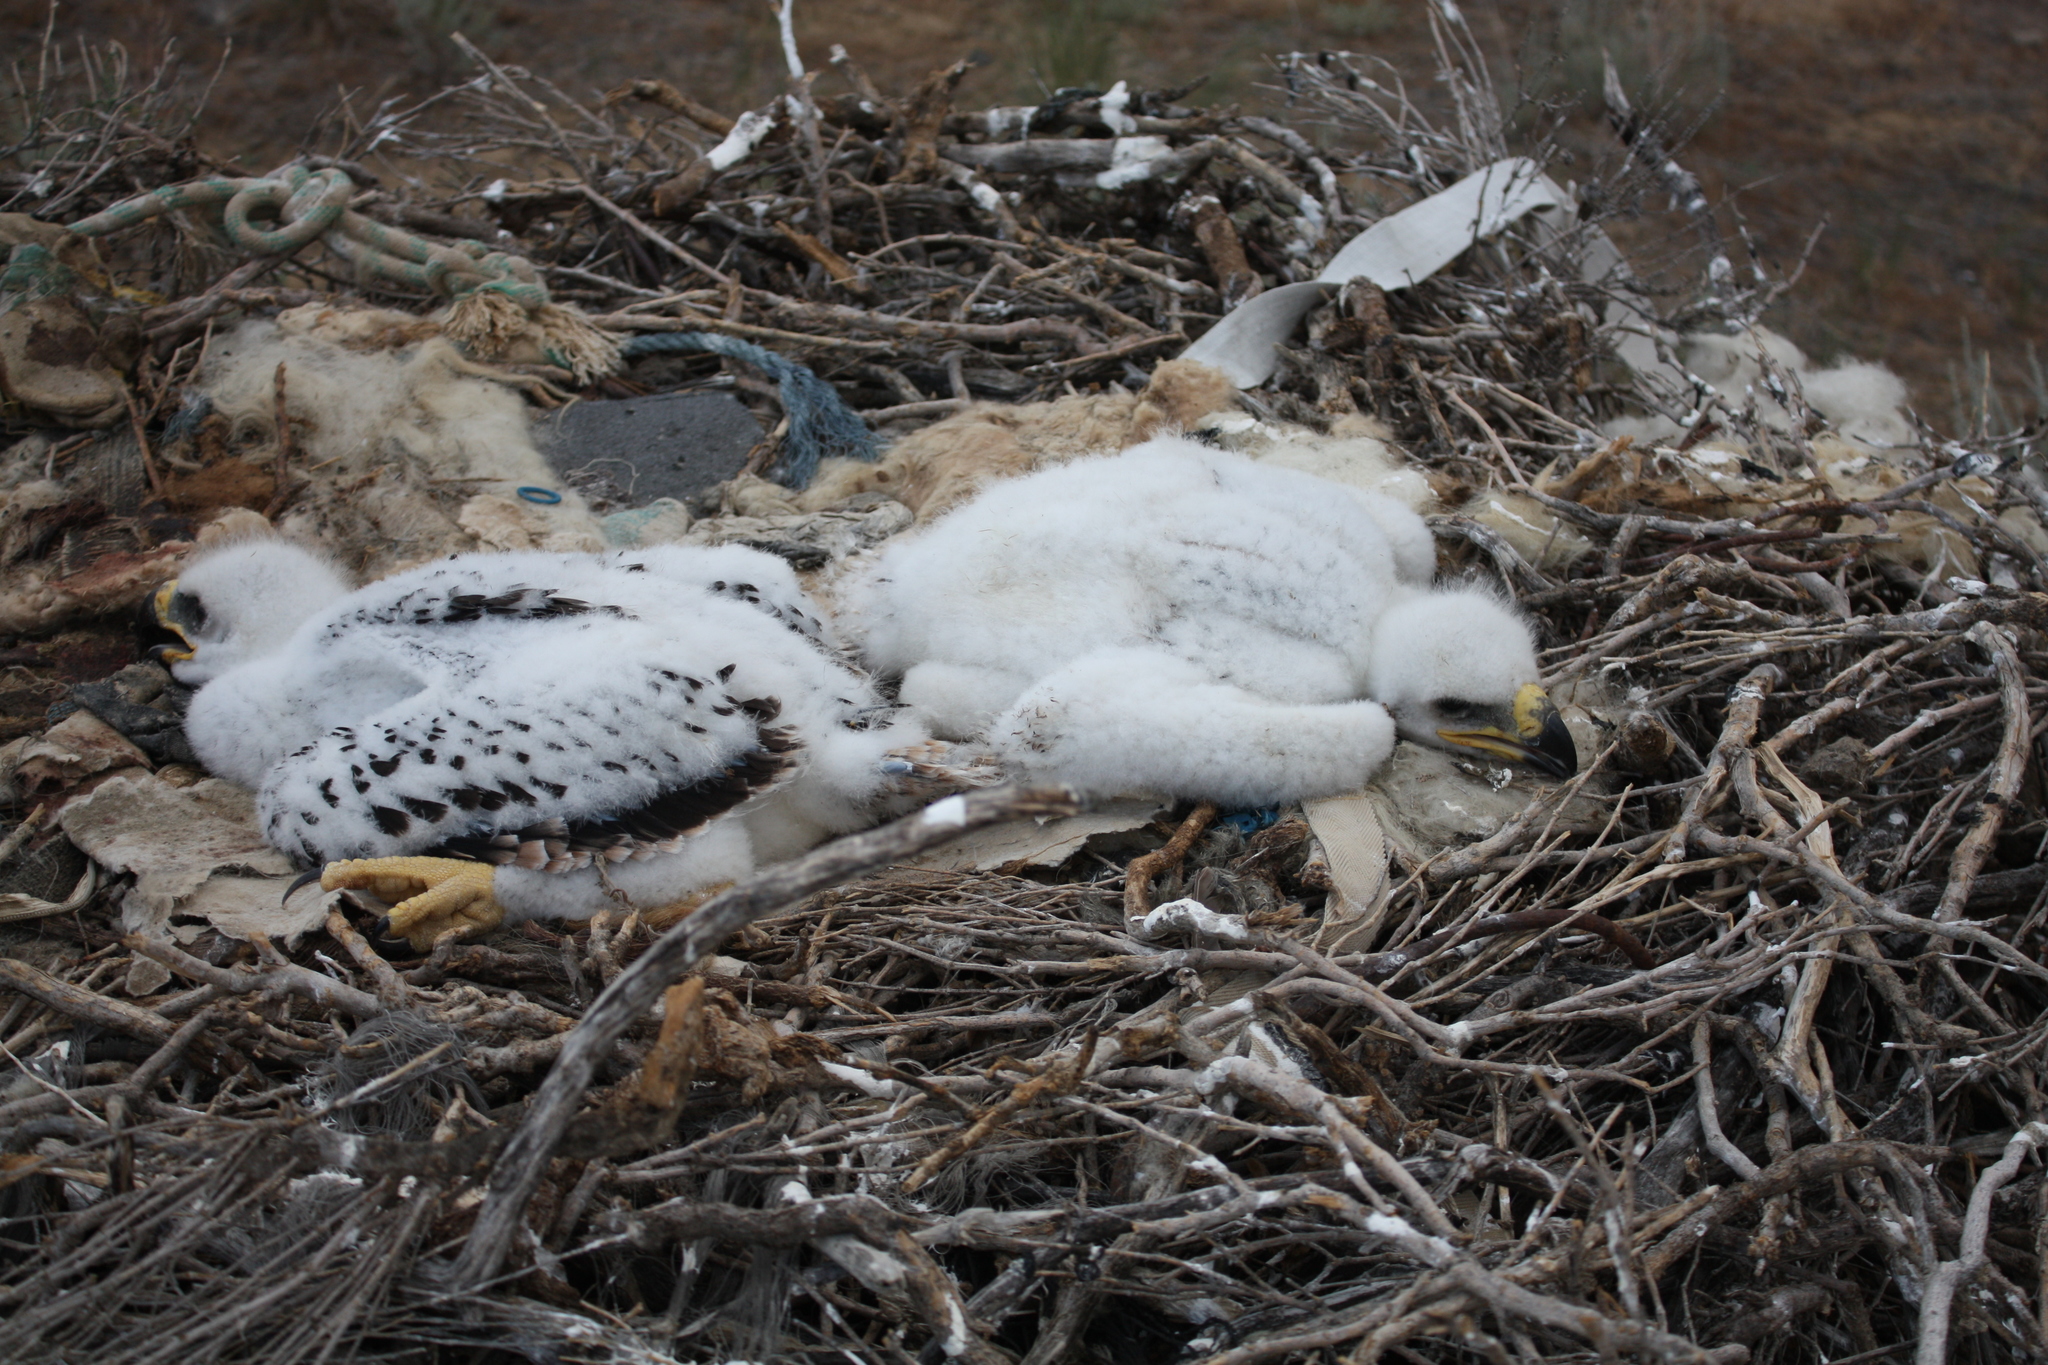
404	437
233	524
948	462
1862	401
1533	531
1180	394
1926	546
501	523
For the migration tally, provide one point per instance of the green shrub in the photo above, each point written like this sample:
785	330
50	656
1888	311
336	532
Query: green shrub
1368	19
1072	43
1660	48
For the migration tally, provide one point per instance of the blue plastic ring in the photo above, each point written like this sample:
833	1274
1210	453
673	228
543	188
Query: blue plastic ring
546	497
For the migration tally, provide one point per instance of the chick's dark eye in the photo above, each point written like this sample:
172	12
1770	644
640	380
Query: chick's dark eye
185	612
1451	708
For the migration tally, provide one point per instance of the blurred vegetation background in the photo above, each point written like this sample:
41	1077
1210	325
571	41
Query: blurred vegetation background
1915	129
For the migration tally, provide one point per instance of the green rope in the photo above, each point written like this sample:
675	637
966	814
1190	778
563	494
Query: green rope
308	204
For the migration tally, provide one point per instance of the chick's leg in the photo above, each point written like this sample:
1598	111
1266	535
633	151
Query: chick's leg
431	896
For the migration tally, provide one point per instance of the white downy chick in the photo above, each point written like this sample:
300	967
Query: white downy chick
1182	621
239	602
1456	668
653	719
1358	453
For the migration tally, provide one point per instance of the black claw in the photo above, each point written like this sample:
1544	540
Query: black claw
301	880
388	944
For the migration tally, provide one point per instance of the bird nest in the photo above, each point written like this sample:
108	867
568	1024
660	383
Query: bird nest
1722	1050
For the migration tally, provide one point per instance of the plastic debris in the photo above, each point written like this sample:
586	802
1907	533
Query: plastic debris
640	450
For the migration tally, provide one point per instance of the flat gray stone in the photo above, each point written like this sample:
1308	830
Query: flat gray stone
666	445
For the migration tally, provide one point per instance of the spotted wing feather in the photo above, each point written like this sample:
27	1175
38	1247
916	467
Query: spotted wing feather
660	826
581	719
780	609
447	603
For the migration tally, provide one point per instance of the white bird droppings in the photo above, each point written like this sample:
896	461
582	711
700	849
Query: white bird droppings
739	144
1194	917
952	811
1130	159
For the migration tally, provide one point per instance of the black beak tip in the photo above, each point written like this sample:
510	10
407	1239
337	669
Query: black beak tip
1555	752
152	636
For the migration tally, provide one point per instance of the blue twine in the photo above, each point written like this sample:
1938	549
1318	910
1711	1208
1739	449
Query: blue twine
820	424
185	425
1250	822
546	497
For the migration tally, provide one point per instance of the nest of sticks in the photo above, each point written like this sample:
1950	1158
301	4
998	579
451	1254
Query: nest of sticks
1721	1051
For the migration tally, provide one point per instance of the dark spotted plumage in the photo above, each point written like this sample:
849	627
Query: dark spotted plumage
431	604
659	826
405	797
545	712
791	615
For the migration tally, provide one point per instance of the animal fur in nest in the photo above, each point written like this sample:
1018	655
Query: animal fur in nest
947	462
1870	449
408	452
90	542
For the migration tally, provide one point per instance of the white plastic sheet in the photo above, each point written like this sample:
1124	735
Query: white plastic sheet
1406	247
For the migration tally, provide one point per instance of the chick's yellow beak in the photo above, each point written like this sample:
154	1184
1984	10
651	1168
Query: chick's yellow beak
1532	732
164	625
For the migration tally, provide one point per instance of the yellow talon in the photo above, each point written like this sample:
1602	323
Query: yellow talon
432	897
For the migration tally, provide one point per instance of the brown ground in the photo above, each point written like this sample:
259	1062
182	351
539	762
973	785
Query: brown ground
1917	129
